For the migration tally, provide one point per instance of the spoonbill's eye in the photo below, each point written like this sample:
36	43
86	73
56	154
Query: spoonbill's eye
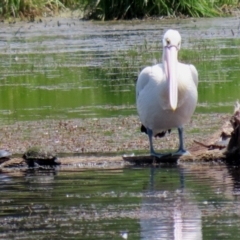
168	41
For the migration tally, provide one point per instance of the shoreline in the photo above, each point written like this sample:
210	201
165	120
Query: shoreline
96	143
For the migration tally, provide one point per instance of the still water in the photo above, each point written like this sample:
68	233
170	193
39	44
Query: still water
65	69
188	202
70	69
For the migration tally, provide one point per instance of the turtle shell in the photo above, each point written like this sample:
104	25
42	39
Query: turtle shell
36	157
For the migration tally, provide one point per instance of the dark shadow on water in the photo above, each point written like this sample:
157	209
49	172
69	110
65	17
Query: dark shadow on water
234	172
147	160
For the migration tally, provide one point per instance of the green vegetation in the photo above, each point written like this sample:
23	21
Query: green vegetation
117	9
126	9
29	8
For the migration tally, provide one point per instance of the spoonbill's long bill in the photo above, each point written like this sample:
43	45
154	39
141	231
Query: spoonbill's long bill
167	93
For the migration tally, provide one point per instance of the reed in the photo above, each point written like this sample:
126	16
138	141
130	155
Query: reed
118	9
26	8
127	9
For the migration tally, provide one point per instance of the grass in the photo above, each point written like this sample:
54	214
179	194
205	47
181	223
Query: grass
29	8
127	9
117	9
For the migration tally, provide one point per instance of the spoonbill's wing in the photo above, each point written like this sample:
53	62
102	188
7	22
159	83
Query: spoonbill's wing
194	74
143	79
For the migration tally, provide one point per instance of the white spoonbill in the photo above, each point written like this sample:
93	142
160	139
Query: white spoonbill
167	93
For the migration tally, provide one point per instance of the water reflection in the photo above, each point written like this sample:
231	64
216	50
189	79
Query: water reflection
40	181
170	215
234	172
187	202
4	178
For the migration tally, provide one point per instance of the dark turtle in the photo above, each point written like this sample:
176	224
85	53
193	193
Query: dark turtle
35	157
4	156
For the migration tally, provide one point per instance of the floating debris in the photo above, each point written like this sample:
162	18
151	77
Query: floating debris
4	155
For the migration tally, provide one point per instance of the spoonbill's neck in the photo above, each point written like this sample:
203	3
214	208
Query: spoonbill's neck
170	63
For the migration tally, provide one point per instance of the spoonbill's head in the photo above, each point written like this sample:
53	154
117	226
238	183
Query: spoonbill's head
171	46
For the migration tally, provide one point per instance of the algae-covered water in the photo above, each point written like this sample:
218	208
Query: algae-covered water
67	69
54	74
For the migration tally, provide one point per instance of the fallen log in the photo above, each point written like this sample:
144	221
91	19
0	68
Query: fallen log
223	145
233	148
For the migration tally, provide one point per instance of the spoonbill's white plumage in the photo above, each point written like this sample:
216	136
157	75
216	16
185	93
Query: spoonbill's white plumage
167	93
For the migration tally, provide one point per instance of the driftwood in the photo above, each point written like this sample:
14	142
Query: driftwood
233	148
223	145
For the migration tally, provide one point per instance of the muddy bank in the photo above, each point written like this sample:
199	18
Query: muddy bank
97	142
99	135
